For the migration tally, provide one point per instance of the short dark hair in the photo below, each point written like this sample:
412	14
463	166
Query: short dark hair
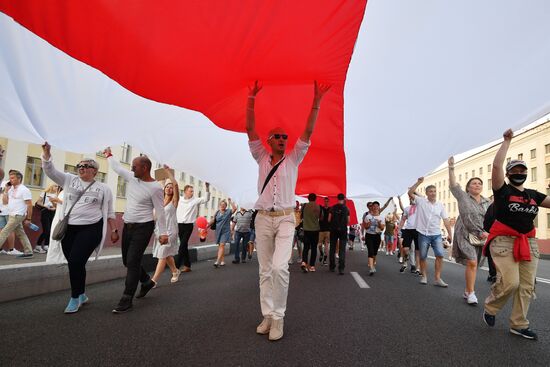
16	173
187	187
375	202
470	181
312	197
341	196
430	187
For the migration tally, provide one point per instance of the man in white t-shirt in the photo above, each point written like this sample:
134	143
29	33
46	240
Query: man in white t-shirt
18	198
188	209
275	220
429	213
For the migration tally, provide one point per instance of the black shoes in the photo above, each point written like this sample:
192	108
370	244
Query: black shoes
124	305
403	268
490	320
145	288
526	333
340	271
236	262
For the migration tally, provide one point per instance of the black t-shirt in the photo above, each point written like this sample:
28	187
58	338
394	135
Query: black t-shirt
517	209
339	220
323	222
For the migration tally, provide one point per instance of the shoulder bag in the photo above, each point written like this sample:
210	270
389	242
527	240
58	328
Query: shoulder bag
61	228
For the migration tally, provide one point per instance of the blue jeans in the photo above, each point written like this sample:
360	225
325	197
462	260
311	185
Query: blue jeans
245	237
436	243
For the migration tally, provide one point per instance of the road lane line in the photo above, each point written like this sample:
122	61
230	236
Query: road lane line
541	280
360	281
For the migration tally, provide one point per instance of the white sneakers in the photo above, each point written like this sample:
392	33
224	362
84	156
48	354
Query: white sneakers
39	250
264	326
272	327
470	298
14	252
424	280
440	283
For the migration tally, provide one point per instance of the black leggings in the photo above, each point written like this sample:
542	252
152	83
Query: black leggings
46	218
78	245
373	243
311	238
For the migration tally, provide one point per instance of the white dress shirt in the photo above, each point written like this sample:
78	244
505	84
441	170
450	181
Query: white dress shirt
279	193
188	209
429	216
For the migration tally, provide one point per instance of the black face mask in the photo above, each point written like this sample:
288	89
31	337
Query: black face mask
517	178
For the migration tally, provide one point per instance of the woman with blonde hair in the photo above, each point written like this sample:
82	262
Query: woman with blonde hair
222	220
165	253
47	211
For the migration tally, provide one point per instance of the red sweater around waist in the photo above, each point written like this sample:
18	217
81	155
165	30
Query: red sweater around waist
522	251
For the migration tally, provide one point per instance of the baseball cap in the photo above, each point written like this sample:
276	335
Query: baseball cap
515	163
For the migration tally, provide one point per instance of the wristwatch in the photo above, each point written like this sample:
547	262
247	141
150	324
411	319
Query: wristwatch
114	230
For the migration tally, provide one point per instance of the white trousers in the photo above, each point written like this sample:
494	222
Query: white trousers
274	237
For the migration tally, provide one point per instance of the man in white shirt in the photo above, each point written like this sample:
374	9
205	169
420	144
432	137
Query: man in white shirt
18	199
429	213
275	221
143	194
8	248
188	209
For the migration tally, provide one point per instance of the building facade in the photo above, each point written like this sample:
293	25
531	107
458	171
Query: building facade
531	145
25	157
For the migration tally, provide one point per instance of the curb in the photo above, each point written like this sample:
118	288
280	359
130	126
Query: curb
33	279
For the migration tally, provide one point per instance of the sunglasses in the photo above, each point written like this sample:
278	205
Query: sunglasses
278	136
84	166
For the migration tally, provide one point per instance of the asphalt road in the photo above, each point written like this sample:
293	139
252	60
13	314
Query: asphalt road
209	318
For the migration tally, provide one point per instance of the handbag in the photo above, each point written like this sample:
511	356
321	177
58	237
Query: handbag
213	225
61	228
475	240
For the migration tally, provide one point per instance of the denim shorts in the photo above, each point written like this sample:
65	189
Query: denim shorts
389	239
3	221
435	242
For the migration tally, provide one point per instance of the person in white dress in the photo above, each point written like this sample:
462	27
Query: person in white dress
55	253
165	253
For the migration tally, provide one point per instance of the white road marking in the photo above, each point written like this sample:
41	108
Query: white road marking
541	280
360	281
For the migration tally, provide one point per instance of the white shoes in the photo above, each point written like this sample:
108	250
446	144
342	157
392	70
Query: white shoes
14	252
440	283
175	276
39	250
264	326
424	280
276	331
470	298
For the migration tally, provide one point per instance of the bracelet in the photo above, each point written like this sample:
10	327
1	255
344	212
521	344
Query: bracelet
315	108
253	97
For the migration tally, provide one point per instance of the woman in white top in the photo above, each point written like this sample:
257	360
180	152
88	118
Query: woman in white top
47	212
165	253
87	225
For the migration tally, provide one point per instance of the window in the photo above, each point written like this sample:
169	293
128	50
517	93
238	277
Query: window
480	171
444	183
200	194
454	207
182	176
533	174
101	177
449	195
192	180
490	184
536	221
126	153
520	156
199	184
473	173
488	169
444	194
121	187
533	153
466	175
212	202
449	207
508	160
548	191
547	170
70	169
547	149
439	195
34	176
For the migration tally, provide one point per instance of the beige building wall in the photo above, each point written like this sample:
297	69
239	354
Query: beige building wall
25	157
532	146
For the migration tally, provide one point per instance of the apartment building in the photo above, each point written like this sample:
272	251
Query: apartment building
25	157
531	144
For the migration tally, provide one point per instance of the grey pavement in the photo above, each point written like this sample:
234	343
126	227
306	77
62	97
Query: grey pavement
209	318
